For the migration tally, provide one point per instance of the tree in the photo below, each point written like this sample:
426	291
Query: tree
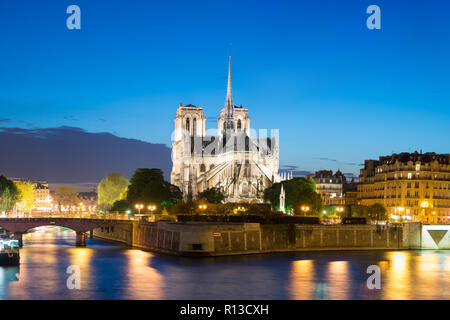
299	192
9	194
377	212
359	211
147	186
111	189
309	198
121	206
66	196
26	195
212	195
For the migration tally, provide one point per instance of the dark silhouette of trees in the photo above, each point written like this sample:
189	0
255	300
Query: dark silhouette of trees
212	195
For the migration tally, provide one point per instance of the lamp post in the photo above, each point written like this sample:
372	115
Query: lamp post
305	209
139	207
152	208
340	210
425	206
203	207
81	208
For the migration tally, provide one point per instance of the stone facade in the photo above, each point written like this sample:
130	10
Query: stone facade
218	239
330	186
412	186
230	159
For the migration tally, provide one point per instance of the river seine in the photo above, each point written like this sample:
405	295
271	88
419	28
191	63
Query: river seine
111	271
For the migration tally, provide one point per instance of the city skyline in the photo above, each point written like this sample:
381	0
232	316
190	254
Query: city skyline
216	158
353	95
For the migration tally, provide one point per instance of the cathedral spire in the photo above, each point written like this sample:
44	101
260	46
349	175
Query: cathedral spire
229	105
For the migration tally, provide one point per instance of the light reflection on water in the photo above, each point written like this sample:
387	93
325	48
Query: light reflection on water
110	271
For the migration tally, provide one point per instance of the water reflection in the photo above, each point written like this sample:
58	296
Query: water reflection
338	280
302	284
397	277
110	271
143	281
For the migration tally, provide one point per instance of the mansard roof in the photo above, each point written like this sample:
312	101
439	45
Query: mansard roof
405	157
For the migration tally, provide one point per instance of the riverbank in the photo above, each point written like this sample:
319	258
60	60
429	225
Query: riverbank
222	239
114	272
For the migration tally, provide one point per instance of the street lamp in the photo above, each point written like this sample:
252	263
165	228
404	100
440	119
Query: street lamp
202	207
305	209
139	207
152	208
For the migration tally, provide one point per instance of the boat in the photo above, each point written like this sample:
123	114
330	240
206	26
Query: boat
9	252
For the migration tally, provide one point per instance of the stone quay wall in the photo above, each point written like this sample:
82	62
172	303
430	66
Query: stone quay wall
218	239
121	232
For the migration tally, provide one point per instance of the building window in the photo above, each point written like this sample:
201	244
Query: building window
239	125
194	127
188	125
202	168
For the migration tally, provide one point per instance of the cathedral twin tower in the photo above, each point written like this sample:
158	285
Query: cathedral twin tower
230	160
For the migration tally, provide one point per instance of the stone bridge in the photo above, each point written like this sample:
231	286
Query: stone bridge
19	226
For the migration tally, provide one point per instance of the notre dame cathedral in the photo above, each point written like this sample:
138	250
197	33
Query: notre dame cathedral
235	160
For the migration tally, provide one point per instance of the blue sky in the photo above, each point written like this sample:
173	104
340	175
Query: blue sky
338	92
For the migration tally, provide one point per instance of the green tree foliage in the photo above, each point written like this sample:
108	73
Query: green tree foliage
192	207
299	192
212	195
331	211
377	212
121	206
111	189
147	186
66	196
359	211
9	194
188	207
26	195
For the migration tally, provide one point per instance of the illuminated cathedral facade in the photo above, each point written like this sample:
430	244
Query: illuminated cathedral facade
234	159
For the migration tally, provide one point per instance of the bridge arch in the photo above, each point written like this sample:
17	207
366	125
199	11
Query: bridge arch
20	226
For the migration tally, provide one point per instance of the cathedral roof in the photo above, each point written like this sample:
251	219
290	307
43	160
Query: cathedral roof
216	145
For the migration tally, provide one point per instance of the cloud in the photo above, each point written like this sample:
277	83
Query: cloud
327	159
71	155
5	120
354	164
101	120
28	124
71	118
288	167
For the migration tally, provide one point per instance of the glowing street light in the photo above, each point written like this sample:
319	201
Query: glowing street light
139	207
152	208
305	209
340	209
202	207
